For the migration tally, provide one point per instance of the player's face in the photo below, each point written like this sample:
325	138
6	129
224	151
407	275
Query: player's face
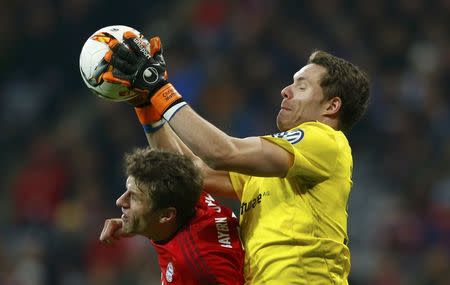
137	214
303	100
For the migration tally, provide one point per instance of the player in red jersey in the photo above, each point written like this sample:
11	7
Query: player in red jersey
196	239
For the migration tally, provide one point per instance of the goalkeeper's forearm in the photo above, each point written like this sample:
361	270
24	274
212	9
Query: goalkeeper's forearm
205	140
165	138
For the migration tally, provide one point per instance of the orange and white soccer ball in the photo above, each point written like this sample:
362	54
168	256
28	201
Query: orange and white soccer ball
93	65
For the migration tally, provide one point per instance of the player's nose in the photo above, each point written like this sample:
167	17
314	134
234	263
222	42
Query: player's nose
285	92
121	201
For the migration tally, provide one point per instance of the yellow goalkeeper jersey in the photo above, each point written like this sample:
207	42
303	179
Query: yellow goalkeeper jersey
294	229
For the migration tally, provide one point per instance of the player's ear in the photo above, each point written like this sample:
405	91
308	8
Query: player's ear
167	215
333	106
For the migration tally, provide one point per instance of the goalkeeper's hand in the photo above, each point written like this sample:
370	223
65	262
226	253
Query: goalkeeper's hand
137	67
145	72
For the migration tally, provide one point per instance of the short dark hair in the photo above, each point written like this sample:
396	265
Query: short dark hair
346	81
172	180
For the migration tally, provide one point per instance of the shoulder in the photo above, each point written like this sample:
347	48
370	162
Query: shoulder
309	135
319	140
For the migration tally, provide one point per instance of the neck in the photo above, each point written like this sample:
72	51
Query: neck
164	234
332	122
169	230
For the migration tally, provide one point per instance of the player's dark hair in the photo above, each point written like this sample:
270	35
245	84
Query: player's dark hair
170	180
346	81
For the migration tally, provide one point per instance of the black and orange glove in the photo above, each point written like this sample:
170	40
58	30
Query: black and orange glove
123	57
145	72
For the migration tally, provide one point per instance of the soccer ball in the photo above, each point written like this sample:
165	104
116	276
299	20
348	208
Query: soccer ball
93	65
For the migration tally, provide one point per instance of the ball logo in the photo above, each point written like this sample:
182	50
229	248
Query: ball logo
169	272
150	75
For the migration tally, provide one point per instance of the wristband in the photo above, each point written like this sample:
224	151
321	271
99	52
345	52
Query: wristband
167	101
173	109
151	128
149	118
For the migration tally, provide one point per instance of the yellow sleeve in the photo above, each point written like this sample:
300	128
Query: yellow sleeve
314	148
238	181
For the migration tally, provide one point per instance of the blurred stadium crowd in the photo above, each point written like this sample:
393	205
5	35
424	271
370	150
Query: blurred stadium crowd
62	148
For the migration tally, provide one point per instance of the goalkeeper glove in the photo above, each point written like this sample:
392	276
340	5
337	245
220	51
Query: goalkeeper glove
145	72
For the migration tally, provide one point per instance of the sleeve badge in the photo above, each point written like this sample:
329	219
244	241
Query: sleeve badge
292	137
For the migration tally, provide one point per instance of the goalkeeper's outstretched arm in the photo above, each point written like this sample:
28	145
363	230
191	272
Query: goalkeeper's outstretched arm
215	182
147	75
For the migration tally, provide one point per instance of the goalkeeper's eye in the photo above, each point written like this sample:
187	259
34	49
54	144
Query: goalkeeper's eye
302	87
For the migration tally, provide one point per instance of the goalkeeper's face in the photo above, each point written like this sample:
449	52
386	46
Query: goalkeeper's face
138	217
303	100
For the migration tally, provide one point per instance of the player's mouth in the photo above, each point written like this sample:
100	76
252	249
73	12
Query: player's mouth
284	108
124	217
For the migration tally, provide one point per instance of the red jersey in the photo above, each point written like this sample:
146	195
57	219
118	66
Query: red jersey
206	251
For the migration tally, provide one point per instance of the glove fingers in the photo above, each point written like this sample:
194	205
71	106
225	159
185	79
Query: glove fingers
137	45
155	46
115	76
122	51
98	73
156	50
120	63
118	74
125	53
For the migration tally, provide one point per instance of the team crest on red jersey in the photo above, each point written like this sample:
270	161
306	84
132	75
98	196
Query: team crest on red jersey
169	272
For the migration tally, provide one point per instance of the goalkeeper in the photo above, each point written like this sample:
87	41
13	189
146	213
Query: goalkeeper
293	186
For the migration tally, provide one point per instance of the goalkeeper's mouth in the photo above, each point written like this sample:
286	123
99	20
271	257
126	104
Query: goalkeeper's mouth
284	109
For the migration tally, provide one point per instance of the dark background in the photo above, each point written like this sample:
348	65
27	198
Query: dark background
62	147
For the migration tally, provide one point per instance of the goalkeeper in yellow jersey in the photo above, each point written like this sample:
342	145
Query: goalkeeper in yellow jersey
293	186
